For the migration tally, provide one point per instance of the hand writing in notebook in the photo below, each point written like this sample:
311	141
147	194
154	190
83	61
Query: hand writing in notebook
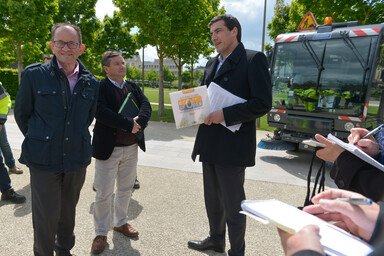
368	145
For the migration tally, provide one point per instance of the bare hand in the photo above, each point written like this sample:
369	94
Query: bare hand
369	146
330	152
214	118
358	219
306	239
136	127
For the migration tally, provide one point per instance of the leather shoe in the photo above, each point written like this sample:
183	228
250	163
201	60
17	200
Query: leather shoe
206	244
127	230
12	196
98	244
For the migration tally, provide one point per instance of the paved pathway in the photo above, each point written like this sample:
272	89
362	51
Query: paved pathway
168	209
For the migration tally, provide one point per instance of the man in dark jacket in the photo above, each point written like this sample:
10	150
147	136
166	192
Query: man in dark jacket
54	107
115	143
223	153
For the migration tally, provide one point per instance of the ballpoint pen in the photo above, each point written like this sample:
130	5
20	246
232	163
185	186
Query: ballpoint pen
372	133
356	201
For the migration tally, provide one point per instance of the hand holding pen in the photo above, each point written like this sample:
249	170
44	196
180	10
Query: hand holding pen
363	139
358	219
372	133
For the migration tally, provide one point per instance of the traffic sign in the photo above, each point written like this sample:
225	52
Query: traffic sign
308	23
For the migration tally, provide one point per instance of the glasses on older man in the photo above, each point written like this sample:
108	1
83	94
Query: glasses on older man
70	44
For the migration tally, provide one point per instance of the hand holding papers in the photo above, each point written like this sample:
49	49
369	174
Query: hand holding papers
220	98
356	151
190	107
290	219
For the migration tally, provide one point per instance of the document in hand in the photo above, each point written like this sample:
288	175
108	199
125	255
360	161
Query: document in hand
357	152
190	107
290	219
129	107
220	98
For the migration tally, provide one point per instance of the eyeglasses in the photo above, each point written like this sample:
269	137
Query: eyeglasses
70	44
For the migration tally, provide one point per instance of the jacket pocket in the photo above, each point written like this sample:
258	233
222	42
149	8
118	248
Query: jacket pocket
37	148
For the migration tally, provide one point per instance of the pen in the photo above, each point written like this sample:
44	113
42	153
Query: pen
373	132
356	201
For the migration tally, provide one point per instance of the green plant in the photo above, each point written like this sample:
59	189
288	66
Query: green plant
9	79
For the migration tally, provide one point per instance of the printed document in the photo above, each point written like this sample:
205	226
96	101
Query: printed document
220	98
190	107
357	152
336	241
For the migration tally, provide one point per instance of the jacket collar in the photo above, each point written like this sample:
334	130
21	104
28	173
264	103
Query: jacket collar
231	62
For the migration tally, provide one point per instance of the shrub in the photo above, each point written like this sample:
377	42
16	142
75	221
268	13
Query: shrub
9	79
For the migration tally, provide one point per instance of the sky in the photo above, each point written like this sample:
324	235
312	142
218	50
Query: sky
249	13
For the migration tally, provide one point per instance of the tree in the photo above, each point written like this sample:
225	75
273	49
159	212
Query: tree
152	75
115	36
169	75
160	22
151	18
364	11
26	23
280	20
288	17
190	34
134	73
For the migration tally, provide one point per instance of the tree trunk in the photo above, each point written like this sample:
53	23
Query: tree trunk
142	72
19	61
161	85
191	84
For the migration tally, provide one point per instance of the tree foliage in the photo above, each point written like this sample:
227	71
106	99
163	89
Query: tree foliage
134	73
168	75
288	17
162	23
115	35
152	75
25	23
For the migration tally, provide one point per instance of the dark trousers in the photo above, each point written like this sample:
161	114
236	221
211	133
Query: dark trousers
223	193
54	199
5	180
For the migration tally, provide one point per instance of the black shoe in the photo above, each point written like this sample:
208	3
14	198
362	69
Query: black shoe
12	196
206	244
137	184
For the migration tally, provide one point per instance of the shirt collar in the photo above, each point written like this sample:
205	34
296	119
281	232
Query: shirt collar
117	84
75	71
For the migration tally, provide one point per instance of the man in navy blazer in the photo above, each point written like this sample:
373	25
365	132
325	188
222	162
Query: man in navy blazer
225	154
116	139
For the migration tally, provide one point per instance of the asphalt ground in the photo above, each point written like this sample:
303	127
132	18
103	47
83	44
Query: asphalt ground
168	209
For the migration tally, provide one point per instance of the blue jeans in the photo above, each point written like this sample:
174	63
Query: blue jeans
6	149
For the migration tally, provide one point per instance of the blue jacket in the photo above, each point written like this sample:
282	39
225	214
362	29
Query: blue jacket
54	122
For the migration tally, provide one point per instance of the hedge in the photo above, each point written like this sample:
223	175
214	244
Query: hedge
9	79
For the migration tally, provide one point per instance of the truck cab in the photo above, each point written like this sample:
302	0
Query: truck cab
328	80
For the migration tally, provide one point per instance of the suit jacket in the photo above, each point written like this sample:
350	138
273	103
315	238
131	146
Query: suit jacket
108	121
353	173
245	74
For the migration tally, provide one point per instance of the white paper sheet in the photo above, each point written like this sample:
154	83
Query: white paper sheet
357	152
220	98
335	240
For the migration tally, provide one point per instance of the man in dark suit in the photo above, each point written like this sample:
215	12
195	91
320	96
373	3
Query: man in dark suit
225	154
116	139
